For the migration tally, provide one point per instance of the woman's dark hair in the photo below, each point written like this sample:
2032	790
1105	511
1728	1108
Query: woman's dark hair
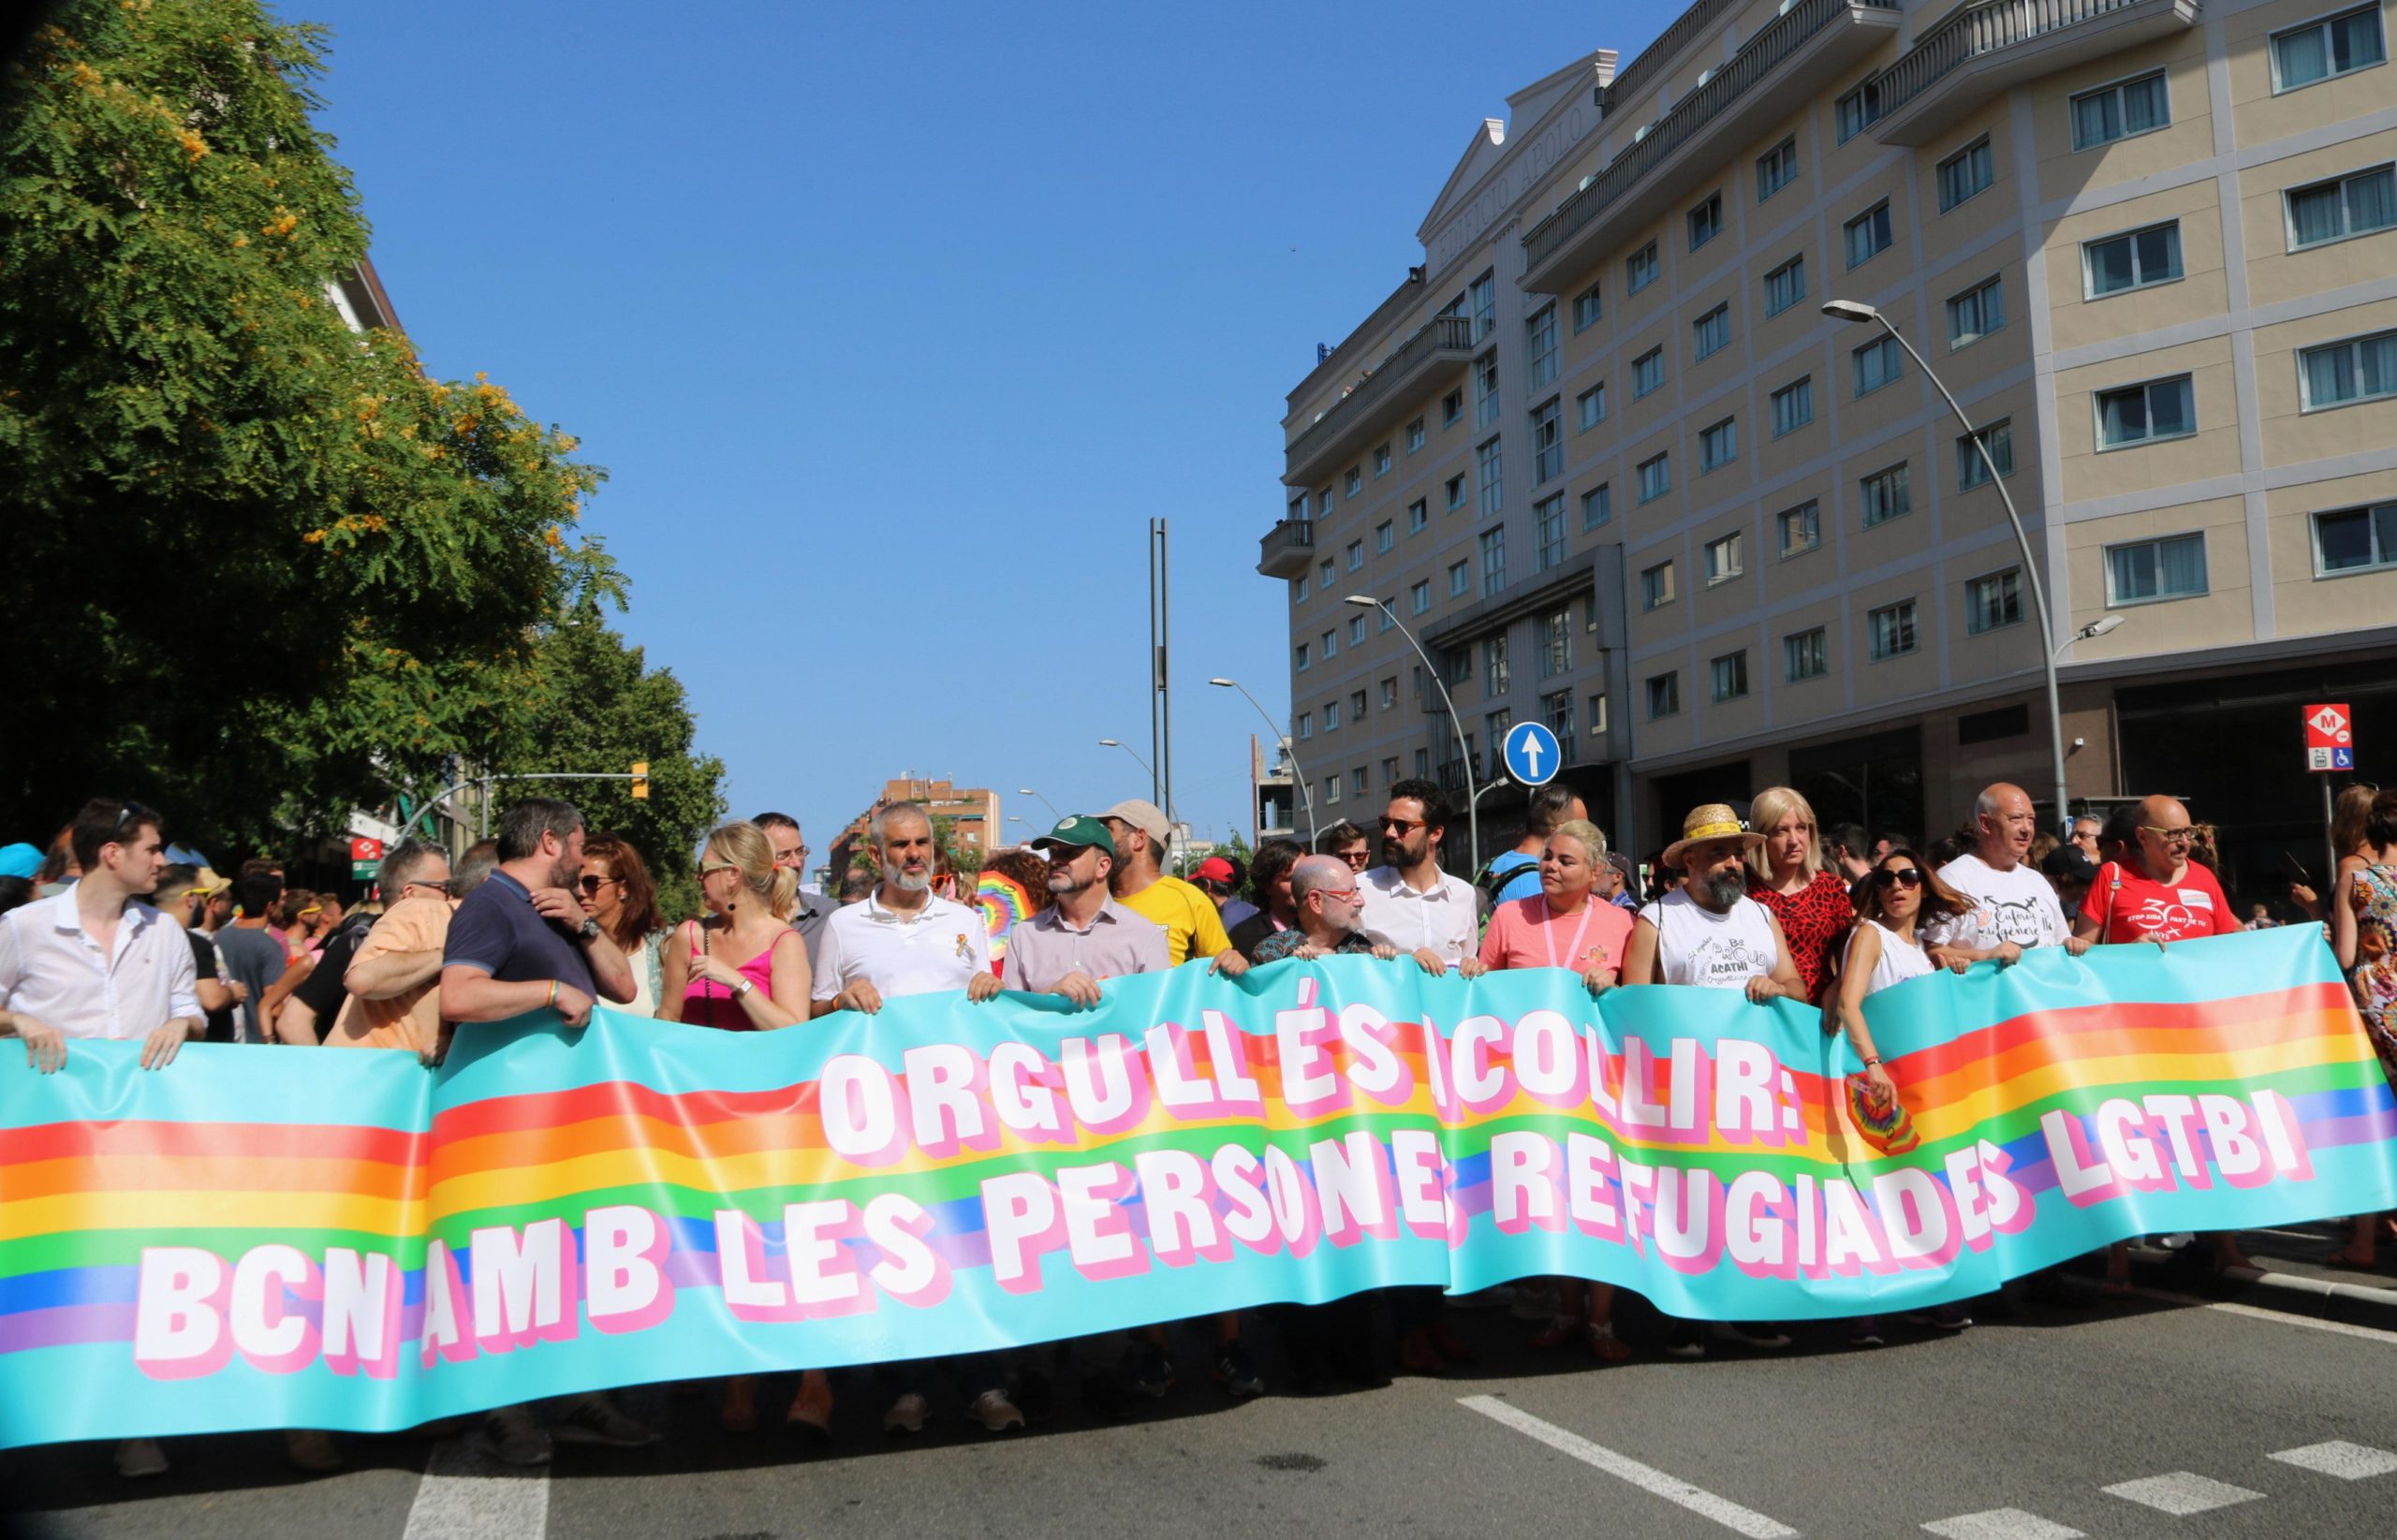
1937	896
1274	859
638	918
2380	823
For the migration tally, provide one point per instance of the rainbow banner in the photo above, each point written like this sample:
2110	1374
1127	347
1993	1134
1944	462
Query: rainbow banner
346	1239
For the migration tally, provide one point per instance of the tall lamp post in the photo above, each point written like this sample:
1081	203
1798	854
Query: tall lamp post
1306	792
1464	749
1852	310
1028	791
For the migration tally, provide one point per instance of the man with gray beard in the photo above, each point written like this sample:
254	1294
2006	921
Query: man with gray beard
904	939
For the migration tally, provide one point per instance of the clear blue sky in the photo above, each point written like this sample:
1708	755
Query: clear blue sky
893	324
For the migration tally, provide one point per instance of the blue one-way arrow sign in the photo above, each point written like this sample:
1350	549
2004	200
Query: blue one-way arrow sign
1533	756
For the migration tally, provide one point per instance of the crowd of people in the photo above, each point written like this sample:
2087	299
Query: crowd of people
105	937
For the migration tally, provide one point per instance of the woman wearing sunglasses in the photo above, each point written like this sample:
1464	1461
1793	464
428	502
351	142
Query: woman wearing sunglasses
617	892
1893	900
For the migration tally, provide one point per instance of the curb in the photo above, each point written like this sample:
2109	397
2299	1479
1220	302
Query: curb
2270	1288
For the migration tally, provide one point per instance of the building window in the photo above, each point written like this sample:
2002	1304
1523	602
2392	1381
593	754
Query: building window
1498	673
1597	505
1556	644
1423	761
2336	45
1878	362
1639	269
1331	790
1656	586
1663	695
1355	556
1706	221
2353	539
1548	442
1418	514
1306	724
1356	481
2148	570
1976	313
1993	602
1451	408
1326	574
2342	207
2120	111
1328	644
1647	372
1540	349
2132	260
1381	462
1557	708
1298	588
1723	559
1712	332
1587	308
1357	709
1414	435
1793	406
1304	658
1418	598
1729	675
1299	508
1494	560
1590	407
2338	373
1492	472
1357	781
1389	770
1384	537
1548	518
1457	664
1785	285
1460	578
1331	717
1800	529
1971	469
1776	168
1356	630
1485	389
1718	445
1495	727
1481	299
1892	629
1968	171
1859	109
1597	716
1804	655
1868	234
2144	413
1885	495
1456	493
1655	478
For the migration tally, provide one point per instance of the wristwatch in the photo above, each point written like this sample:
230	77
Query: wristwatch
742	990
590	930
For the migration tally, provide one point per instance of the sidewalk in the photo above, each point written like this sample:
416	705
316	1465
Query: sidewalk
2292	1273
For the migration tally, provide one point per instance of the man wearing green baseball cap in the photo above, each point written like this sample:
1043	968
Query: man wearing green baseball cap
1085	937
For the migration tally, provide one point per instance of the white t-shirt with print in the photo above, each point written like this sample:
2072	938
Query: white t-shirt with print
2019	905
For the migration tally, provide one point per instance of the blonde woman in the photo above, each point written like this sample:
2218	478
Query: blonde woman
1787	876
740	966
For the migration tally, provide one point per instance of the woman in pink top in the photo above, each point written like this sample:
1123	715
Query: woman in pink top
1569	925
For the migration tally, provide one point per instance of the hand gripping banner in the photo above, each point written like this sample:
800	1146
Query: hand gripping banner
346	1239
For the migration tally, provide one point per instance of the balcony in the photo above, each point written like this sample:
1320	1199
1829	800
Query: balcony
1391	391
1287	549
1984	49
1780	69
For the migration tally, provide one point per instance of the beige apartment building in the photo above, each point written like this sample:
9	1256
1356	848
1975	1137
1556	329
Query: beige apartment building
1603	452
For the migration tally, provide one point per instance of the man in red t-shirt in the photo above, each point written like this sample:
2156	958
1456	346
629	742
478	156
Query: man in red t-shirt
2159	894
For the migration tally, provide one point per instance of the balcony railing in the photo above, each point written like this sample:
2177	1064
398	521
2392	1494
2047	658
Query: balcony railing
1663	52
1443	335
1977	35
1764	55
1286	548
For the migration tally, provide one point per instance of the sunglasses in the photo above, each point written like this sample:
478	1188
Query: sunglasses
1401	825
133	810
592	885
1909	876
447	887
1346	895
2170	836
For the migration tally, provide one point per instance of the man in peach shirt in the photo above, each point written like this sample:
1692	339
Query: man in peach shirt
394	981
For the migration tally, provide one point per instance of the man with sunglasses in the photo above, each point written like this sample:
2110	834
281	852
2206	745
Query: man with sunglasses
1140	883
1329	900
1409	903
2156	892
2014	907
394	976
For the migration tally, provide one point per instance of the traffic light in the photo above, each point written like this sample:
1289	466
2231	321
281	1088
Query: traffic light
641	780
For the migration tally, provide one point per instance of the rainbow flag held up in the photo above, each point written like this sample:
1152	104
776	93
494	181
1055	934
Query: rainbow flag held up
346	1239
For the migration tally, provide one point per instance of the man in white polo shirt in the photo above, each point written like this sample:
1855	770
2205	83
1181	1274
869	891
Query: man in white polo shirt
1409	903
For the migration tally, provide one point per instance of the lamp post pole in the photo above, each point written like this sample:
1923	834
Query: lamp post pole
1464	749
1028	791
1306	792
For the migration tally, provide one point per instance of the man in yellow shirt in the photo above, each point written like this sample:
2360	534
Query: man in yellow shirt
1192	926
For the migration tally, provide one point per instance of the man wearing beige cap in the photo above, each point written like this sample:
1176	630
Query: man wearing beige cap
1189	918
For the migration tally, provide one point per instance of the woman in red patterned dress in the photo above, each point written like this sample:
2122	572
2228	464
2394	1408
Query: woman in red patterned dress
1787	876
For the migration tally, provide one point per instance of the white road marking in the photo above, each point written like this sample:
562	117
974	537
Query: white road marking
2257	1313
1647	1478
2338	1457
467	1495
2001	1524
2181	1492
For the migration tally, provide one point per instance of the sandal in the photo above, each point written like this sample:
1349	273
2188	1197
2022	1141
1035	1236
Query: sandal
1606	1346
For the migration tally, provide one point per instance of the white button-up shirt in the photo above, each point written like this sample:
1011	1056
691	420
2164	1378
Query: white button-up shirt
1444	919
52	970
938	948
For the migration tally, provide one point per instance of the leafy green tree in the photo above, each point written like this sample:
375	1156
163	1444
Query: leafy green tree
259	568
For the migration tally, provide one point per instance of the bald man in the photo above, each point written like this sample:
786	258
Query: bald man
2014	907
2156	892
1330	912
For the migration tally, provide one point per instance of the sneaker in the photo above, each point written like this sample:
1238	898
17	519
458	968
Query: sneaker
2177	1241
594	1420
1865	1331
1693	1347
312	1450
1763	1339
515	1438
140	1457
1236	1370
906	1415
994	1411
1151	1373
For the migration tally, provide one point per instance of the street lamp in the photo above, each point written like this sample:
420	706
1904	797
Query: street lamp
1852	310
1464	749
2094	628
1028	791
1305	791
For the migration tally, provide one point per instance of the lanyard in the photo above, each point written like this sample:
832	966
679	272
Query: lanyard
1547	933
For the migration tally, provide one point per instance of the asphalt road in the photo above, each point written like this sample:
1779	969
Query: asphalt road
2149	1418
